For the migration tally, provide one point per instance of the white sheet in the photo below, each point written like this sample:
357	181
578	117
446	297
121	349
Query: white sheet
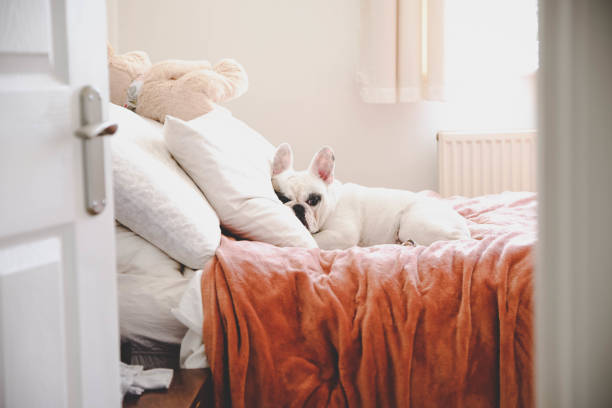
189	312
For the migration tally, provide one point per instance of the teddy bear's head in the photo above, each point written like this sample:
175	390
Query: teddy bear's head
123	70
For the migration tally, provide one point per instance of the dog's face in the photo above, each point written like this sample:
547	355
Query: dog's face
305	192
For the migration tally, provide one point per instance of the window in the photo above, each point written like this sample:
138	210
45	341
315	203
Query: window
489	44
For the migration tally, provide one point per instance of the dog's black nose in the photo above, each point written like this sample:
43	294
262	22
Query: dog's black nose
300	212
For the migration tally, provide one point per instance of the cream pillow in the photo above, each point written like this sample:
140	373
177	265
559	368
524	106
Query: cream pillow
153	195
231	163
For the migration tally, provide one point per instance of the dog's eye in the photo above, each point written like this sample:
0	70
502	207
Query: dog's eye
282	197
313	199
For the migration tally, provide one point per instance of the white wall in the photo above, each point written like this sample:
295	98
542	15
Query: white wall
301	57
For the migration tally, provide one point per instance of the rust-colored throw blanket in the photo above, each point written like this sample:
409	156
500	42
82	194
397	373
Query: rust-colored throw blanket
449	325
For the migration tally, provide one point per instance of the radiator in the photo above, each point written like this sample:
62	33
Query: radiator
473	164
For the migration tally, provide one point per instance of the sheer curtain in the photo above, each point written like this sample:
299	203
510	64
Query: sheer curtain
402	51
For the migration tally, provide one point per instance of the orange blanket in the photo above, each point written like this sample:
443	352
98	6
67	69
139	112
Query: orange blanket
449	325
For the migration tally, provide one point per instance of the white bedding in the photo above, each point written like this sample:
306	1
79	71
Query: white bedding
190	313
156	301
150	284
154	197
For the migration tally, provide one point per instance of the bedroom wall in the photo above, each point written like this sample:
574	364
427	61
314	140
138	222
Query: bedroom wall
301	58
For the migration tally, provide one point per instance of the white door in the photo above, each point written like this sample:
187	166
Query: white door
58	309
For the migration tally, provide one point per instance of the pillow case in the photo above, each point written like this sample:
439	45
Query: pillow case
231	163
153	195
149	285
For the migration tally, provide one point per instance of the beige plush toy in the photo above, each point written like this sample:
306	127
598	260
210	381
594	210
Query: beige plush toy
184	89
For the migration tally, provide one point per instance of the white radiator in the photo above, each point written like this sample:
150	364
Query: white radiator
473	164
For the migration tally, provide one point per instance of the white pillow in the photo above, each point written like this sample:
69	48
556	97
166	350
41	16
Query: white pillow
231	163
153	195
150	285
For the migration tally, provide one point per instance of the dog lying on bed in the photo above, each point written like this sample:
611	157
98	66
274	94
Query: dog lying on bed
344	215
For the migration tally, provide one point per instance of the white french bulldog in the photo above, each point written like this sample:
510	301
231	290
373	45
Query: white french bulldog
344	215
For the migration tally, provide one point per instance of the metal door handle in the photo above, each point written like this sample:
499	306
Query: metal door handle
93	126
97	129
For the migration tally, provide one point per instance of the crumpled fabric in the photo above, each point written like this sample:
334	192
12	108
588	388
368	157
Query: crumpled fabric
135	380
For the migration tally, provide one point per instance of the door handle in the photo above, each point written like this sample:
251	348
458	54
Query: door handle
96	129
92	127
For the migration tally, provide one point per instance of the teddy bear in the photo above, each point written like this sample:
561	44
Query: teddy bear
183	89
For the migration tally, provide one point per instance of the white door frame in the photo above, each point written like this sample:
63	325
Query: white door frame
574	268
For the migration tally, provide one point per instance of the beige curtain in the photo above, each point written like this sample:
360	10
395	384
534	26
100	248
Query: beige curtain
402	49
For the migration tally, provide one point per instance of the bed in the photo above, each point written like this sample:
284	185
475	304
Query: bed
444	325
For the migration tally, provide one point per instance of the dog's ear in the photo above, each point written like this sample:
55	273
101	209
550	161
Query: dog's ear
283	159
322	165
